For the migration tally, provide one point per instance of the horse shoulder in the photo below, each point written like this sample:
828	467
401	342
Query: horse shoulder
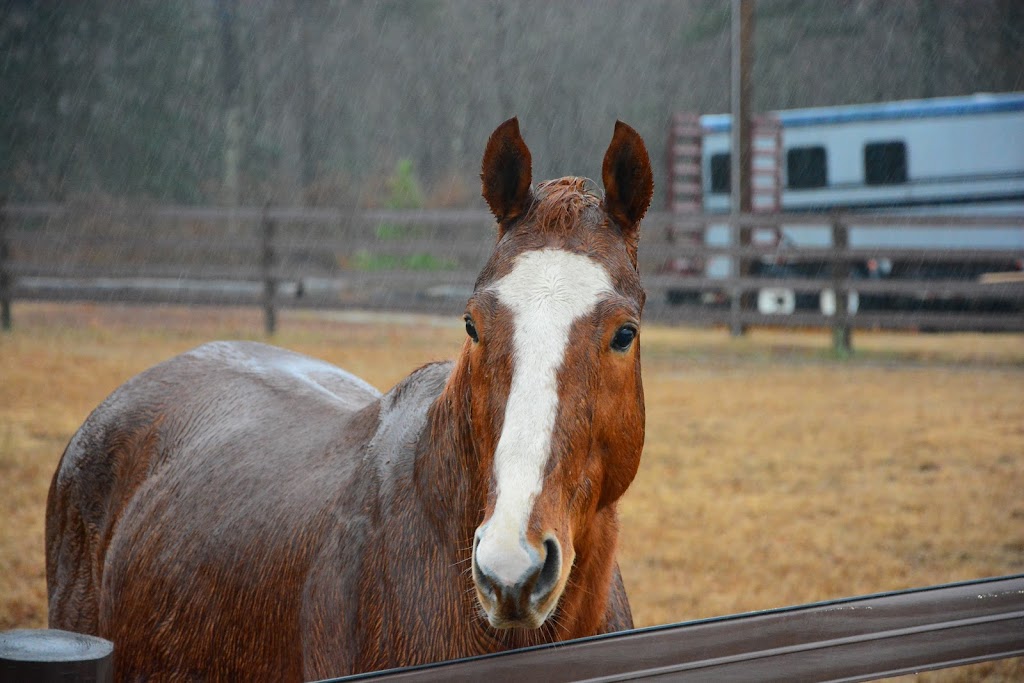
360	603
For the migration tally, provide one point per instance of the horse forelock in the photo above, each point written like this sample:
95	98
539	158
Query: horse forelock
568	214
563	204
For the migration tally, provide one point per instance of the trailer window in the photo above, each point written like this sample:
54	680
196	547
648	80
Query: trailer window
885	163
720	173
806	168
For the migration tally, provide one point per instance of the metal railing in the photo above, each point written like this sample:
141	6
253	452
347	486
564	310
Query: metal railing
854	639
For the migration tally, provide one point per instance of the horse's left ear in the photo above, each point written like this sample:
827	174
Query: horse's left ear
628	182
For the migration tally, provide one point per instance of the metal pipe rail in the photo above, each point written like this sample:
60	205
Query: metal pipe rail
854	639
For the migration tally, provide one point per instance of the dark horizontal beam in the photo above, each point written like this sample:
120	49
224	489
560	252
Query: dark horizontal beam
849	219
61	244
411	303
704	316
657	252
653	253
297	214
855	639
923	289
29	277
453	304
182	276
481	217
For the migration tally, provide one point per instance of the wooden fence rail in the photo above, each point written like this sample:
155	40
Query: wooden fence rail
428	260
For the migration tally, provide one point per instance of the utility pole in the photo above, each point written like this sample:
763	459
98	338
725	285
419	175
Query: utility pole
741	58
232	79
300	22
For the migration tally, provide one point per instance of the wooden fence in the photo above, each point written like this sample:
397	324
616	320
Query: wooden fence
428	261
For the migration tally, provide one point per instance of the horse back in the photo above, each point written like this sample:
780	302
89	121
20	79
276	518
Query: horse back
213	474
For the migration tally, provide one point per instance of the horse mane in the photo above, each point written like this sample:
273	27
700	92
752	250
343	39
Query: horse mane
562	203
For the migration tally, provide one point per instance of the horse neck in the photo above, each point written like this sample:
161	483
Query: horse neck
451	489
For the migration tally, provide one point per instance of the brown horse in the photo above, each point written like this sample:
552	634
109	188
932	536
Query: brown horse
242	512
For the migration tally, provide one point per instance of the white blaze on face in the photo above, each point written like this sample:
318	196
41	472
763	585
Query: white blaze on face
546	292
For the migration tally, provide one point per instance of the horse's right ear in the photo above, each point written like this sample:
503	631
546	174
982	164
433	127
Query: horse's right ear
507	173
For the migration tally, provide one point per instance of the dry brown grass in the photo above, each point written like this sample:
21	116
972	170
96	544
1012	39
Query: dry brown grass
772	474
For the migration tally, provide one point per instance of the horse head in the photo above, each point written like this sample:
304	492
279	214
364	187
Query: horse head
553	364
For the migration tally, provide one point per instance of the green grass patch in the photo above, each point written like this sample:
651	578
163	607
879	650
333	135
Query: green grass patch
394	231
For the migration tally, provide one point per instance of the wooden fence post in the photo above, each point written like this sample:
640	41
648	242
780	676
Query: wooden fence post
269	283
841	335
54	656
741	60
6	281
736	268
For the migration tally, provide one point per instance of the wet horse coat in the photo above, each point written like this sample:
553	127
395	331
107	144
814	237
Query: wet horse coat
244	512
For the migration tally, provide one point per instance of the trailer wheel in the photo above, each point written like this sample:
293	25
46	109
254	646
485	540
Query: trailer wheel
828	302
776	301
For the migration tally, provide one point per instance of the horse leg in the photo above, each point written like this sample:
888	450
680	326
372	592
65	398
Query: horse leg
71	575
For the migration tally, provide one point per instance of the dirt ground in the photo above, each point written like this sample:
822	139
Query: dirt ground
773	474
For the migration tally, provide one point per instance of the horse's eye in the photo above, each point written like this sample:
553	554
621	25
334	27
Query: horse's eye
623	338
471	329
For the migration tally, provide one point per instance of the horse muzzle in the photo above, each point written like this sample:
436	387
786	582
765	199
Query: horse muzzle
518	585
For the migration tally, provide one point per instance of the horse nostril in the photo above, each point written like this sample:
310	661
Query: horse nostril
482	580
549	573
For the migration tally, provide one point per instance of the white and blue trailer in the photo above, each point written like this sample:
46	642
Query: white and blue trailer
935	157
